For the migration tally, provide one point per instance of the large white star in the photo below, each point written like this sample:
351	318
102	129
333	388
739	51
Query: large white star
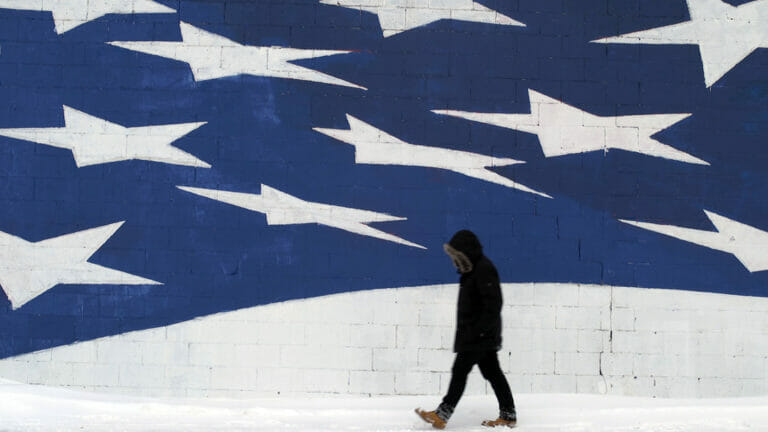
283	209
564	130
68	14
395	17
725	34
374	146
747	243
97	141
211	56
28	269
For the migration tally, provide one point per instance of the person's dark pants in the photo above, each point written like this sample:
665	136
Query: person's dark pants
488	362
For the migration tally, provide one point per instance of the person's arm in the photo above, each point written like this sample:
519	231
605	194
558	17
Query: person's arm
487	286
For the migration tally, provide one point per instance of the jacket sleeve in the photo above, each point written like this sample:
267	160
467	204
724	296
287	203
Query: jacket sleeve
488	289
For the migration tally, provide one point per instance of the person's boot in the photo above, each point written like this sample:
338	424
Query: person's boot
437	418
432	418
506	418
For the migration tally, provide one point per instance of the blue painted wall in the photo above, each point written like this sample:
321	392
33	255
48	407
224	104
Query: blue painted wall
212	257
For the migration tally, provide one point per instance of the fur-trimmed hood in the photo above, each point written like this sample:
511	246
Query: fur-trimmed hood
465	250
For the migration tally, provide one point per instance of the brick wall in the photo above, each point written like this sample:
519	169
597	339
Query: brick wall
242	306
557	338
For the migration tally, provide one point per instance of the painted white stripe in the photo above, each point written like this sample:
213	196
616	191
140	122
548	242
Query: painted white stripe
561	338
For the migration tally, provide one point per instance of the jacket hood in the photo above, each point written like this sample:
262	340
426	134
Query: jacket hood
465	250
466	242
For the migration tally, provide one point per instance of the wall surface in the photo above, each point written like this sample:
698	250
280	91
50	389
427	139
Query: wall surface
250	197
558	338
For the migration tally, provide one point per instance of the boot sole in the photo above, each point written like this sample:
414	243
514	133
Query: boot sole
488	423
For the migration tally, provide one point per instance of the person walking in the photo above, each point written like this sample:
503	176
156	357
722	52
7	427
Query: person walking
478	332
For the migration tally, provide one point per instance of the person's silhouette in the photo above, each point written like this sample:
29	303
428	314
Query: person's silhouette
478	331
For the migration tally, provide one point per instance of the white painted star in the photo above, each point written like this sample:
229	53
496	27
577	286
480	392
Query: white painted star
29	269
68	14
564	130
96	141
725	34
374	146
283	209
747	243
211	56
395	18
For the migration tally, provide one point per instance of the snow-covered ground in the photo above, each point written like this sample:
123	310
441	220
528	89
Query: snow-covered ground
34	408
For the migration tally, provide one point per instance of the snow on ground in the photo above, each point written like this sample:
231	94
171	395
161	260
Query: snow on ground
33	408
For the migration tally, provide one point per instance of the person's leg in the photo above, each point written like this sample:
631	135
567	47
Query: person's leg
489	367
462	365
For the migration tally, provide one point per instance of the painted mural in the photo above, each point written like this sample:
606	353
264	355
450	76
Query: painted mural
166	160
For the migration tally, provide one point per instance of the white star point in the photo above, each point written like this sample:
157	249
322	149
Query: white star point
746	243
394	18
376	147
71	14
725	34
94	141
29	269
211	56
281	208
564	130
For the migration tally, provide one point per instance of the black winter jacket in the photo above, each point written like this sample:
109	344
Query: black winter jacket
478	315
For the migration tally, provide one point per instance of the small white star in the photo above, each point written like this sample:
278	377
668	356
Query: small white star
68	14
374	146
564	130
211	56
725	34
395	18
96	141
28	269
747	243
283	209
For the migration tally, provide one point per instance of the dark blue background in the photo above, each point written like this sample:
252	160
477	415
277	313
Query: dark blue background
214	257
